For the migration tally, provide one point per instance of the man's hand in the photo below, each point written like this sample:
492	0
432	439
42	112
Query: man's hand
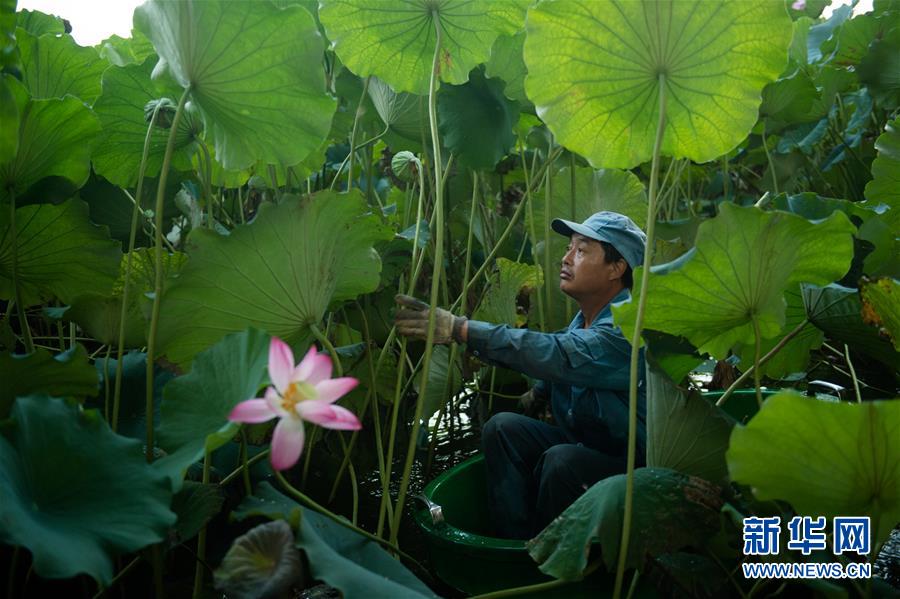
412	321
532	404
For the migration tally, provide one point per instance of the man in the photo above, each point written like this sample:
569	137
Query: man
535	469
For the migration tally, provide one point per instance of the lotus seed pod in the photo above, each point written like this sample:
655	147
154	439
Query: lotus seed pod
404	164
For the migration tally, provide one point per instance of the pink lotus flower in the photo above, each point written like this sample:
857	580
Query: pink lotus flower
304	392
799	5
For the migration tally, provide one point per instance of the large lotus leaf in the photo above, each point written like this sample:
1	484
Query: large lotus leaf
74	493
822	32
7	33
9	119
852	41
595	70
881	307
67	373
60	252
789	101
253	70
55	66
879	70
743	262
444	381
195	505
834	459
279	273
511	280
56	137
476	121
261	563
594	190
395	39
120	107
838	311
794	355
124	51
685	432
402	113
671	511
506	63
337	555
195	407
885	184
37	23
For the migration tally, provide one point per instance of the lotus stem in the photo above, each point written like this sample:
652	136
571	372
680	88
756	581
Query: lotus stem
245	465
359	109
17	289
335	358
157	288
251	461
132	236
201	538
756	357
852	373
532	231
636	343
746	374
207	185
769	158
121	573
548	289
435	278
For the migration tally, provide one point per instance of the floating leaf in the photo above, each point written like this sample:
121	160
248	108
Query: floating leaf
476	121
74	493
881	307
395	39
279	273
671	511
55	66
854	469
66	373
60	253
685	432
55	139
261	563
252	69
595	70
126	91
737	273
195	407
512	279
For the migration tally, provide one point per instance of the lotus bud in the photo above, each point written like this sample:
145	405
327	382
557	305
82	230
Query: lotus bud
165	114
404	164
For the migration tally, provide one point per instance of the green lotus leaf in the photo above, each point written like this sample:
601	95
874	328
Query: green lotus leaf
444	381
885	184
195	407
195	505
506	63
253	71
405	116
743	262
268	502
881	307
37	23
60	253
811	9
121	51
476	121
120	107
56	137
838	311
55	66
74	493
822	32
852	41
594	190
671	511
854	469
685	432
66	373
9	116
261	563
595	70
395	39
279	273
789	101
879	69
511	280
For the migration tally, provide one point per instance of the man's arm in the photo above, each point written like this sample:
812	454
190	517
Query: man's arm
595	357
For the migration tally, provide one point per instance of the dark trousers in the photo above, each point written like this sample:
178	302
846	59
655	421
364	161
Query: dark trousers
535	472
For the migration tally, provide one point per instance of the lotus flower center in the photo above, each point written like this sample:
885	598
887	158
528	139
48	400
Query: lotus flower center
295	393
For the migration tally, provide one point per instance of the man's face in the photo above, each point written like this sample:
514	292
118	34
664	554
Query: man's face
584	271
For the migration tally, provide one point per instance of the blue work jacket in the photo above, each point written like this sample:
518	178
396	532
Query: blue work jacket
584	372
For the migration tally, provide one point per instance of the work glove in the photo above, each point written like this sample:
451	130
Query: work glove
412	321
532	404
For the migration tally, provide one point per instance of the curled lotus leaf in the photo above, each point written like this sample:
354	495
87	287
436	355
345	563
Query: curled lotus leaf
261	563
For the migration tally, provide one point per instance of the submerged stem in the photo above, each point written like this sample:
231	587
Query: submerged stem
636	341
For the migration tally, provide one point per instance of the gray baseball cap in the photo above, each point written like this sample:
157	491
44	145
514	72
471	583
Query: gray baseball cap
611	227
